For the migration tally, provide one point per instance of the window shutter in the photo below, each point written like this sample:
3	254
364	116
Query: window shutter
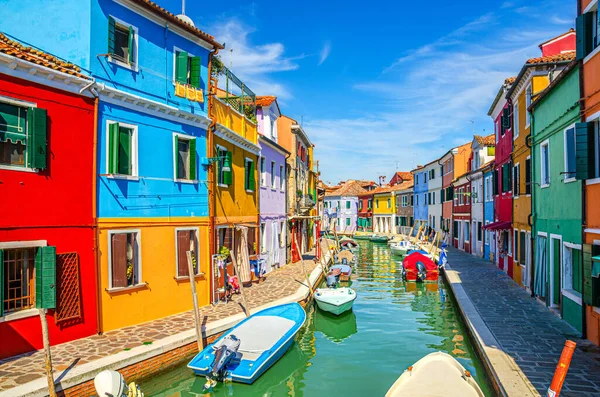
1	283
195	72
45	278
587	272
495	183
252	181
130	44
491	150
193	159
183	245
124	145
113	148
528	176
584	151
584	24
181	67
246	181
522	248
505	118
119	260
176	155
227	175
111	35
37	136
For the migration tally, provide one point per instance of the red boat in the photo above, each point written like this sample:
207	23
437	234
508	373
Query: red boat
418	267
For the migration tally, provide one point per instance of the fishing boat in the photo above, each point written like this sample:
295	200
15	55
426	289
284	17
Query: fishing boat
335	300
248	349
345	271
436	374
378	239
418	267
401	248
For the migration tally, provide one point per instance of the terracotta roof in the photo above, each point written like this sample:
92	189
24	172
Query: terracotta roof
158	10
403	186
350	188
489	140
510	80
405	176
564	57
33	55
382	189
265	100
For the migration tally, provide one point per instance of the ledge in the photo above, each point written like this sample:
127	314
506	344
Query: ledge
126	289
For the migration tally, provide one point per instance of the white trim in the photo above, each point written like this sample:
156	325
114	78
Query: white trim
591	55
547	144
187	138
572	295
20	315
134	67
590	6
129	288
591	230
568	179
596	309
551	267
515	128
134	146
594	116
23	244
527	114
19	168
593	181
139	259
17	102
197	243
572	245
543	234
236	139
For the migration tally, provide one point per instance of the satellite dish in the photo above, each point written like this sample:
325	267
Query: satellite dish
186	19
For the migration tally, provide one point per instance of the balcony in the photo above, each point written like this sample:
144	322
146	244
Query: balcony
306	203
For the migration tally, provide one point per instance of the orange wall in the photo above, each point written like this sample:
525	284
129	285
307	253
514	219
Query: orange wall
585	3
461	159
284	133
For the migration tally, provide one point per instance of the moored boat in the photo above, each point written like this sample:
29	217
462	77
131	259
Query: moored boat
345	271
248	349
335	300
365	236
379	239
401	248
418	267
436	374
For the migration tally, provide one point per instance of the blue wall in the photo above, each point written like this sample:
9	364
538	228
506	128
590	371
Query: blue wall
420	191
488	214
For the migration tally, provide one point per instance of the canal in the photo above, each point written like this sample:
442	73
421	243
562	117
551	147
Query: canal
361	353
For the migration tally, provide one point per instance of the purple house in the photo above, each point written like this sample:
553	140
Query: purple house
273	184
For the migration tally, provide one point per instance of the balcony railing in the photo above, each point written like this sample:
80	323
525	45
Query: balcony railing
235	121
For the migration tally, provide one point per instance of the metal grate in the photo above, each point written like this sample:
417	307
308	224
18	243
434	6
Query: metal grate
69	297
19	279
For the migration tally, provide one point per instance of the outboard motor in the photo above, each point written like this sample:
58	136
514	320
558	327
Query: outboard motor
421	272
225	353
331	280
344	261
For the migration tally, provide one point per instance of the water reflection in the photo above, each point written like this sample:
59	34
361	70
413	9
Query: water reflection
336	328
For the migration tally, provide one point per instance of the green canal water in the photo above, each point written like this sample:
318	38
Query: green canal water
361	353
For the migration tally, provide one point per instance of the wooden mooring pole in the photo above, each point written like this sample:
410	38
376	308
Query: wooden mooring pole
192	275
304	271
48	355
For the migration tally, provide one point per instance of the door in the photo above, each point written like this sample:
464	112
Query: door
527	271
555	259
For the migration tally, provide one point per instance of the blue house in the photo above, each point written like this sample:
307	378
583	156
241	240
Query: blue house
151	72
421	196
489	246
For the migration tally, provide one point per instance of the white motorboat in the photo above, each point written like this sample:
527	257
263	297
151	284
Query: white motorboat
401	248
436	374
335	300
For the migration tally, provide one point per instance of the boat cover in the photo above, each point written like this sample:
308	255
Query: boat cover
345	269
409	264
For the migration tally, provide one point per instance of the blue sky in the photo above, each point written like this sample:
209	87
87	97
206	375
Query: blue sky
385	85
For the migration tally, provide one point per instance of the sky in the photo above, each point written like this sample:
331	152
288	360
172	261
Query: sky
384	86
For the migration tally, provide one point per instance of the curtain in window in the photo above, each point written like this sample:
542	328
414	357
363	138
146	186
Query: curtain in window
541	267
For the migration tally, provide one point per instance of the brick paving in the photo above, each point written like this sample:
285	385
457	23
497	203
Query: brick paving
24	368
525	329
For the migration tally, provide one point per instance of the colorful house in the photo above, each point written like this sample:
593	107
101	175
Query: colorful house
420	192
461	213
557	198
534	77
342	207
365	212
489	246
588	169
273	184
384	210
404	207
47	229
447	162
434	195
151	71
501	227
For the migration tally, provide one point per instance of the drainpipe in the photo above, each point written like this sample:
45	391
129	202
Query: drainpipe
210	170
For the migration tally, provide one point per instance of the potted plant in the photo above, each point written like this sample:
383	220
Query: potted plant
223	255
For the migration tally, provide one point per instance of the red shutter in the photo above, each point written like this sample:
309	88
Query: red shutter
183	245
119	260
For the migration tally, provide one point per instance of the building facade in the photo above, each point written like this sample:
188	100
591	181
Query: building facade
461	213
365	212
489	246
404	197
342	207
421	194
447	162
483	150
384	210
433	171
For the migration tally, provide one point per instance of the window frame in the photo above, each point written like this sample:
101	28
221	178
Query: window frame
570	293
174	71
219	173
273	176
196	230
543	170
516	180
188	138
263	237
528	100
140	283
569	176
515	120
134	66
263	176
134	146
282	178
22	104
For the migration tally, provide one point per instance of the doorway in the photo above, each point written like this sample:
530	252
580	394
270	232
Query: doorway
554	281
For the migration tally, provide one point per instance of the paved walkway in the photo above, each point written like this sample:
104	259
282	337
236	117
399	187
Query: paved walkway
525	329
19	370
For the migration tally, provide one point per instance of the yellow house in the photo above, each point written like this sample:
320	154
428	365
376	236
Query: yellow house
384	209
234	200
533	79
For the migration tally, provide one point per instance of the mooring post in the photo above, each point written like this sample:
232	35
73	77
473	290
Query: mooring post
192	275
48	355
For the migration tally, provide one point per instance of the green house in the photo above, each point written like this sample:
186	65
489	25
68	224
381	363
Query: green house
557	197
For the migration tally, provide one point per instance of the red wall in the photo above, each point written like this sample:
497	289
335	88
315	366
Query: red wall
364	211
566	43
504	145
54	205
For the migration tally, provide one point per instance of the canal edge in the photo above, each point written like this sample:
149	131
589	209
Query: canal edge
171	351
508	380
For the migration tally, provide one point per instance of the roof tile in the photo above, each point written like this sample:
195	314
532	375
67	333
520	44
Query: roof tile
489	140
565	56
265	100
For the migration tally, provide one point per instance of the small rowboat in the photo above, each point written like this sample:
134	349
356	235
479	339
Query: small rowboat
348	243
345	271
251	347
436	374
379	239
401	248
335	300
361	236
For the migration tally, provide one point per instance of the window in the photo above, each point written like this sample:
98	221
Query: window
467	232
348	203
517	180
224	177
515	242
404	201
23	134
572	269
347	221
429	198
249	180
122	149
273	185
587	34
187	240
263	237
433	222
263	172
522	242
528	176
122	42
443	195
187	69
281	178
570	165
124	259
281	234
528	96
389	203
412	200
370	203
416	199
487	234
185	155
479	231
509	242
506	177
545	163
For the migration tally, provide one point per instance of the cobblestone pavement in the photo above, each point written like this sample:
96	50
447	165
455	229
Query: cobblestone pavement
525	329
30	366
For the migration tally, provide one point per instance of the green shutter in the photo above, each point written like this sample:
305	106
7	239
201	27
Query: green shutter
1	283
176	155
193	159
111	35
113	148
37	138
227	175
505	118
587	274
181	67
45	278
585	36
347	204
125	161
130	44
195	72
584	151
246	181
252	181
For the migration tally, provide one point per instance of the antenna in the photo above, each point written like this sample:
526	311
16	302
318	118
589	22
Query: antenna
183	7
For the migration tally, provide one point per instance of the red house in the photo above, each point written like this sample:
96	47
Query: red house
47	190
461	214
365	212
502	186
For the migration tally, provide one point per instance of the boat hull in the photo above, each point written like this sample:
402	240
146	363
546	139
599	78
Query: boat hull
335	301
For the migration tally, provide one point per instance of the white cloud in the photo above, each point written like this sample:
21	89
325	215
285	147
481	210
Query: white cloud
324	54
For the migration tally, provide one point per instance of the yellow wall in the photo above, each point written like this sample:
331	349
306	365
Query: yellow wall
163	296
235	121
383	208
234	203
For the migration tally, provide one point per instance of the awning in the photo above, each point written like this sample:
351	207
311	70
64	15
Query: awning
506	225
